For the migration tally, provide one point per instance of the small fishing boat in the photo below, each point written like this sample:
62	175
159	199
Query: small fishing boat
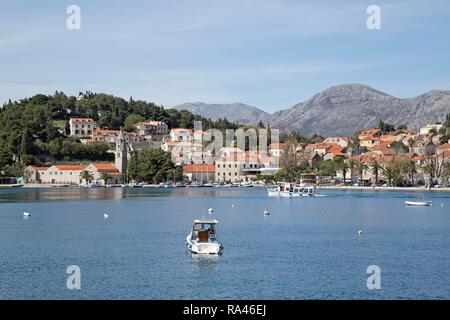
418	203
203	238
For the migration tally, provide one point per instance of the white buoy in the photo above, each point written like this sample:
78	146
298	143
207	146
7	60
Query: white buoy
27	214
210	210
105	216
232	205
266	212
360	232
442	204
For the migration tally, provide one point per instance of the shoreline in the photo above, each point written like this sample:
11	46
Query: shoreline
361	188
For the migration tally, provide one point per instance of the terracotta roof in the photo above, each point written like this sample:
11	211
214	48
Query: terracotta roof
115	173
105	166
105	132
369	138
383	149
370	132
277	146
444	146
71	167
206	168
446	154
337	151
39	168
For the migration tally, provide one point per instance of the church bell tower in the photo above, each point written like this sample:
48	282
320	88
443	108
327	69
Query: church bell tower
121	161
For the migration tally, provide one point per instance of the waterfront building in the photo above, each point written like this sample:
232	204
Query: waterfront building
237	168
202	173
32	174
62	174
81	127
97	170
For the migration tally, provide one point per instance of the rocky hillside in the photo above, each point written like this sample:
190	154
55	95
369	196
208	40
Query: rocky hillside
341	110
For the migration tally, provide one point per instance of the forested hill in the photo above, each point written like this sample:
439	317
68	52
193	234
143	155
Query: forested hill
29	127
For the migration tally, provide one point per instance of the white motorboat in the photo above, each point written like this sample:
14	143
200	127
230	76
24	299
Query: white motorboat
203	238
419	203
291	190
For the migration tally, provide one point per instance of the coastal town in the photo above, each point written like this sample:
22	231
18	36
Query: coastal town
384	156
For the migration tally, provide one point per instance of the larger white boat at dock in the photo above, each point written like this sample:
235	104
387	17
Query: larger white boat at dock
286	189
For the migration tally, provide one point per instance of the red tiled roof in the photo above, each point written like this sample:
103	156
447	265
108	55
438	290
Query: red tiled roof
39	168
105	166
70	167
206	168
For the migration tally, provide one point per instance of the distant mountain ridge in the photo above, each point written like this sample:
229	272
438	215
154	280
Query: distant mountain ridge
234	112
338	110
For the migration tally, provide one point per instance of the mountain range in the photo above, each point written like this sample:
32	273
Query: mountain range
339	110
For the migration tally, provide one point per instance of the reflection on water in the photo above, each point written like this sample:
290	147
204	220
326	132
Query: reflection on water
64	194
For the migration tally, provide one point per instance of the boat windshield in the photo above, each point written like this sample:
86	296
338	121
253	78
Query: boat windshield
204	232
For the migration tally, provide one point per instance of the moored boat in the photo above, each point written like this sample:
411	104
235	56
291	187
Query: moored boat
291	190
203	238
419	203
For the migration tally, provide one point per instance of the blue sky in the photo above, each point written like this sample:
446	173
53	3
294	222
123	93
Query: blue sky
271	54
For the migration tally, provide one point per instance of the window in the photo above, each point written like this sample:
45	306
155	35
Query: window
235	173
229	173
235	165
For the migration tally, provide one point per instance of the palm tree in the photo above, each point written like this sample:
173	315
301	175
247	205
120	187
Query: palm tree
342	166
409	168
392	172
360	167
375	167
351	166
86	176
429	168
104	176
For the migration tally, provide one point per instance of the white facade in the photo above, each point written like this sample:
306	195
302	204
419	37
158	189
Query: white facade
81	127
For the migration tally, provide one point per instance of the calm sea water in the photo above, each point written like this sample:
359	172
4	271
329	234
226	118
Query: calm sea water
306	248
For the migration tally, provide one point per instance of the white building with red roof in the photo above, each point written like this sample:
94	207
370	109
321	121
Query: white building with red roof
81	127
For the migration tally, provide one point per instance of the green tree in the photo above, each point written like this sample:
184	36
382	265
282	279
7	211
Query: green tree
86	176
131	120
104	176
360	168
375	167
152	165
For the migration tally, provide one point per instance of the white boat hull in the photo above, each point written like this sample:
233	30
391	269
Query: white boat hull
418	203
286	194
208	248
